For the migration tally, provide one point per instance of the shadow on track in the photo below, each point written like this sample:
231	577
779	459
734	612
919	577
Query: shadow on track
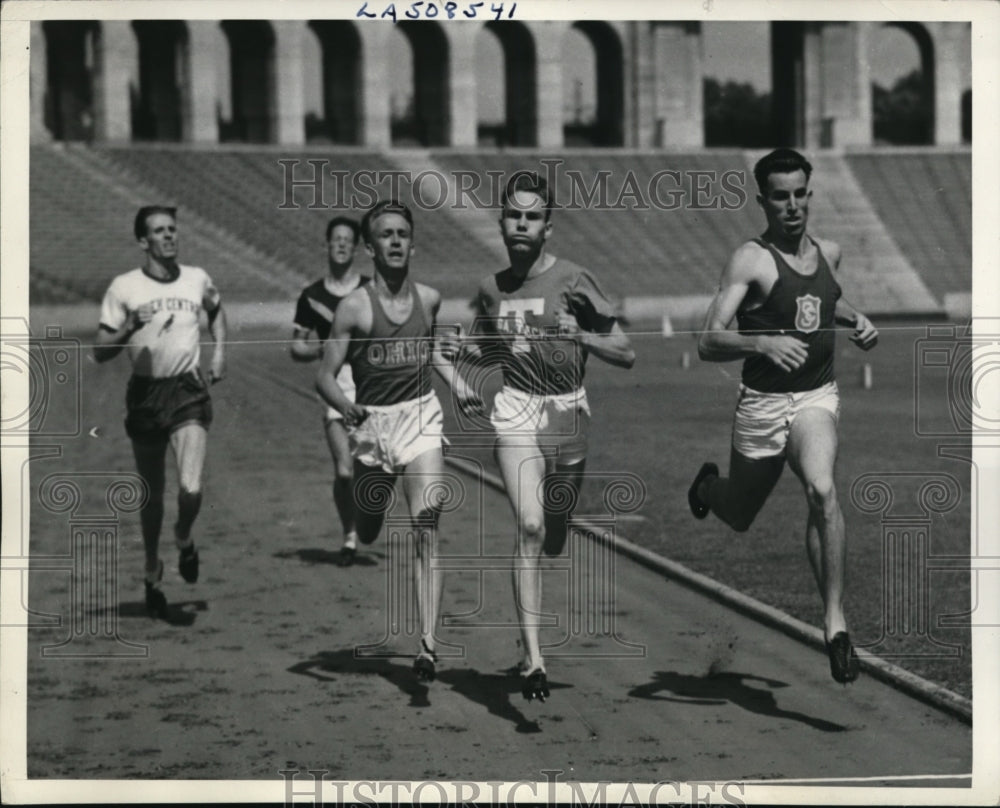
179	613
317	555
494	691
721	688
327	665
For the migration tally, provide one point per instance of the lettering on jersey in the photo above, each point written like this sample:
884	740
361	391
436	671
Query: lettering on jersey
175	304
807	313
399	352
511	320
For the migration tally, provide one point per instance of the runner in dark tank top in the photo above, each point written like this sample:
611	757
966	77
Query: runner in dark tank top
781	291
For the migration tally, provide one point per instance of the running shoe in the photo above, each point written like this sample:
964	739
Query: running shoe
346	557
188	564
698	508
535	685
424	666
843	659
156	601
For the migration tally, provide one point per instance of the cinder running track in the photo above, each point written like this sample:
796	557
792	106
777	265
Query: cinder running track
257	670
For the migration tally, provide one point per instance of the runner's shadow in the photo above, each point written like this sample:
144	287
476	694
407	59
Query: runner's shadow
326	666
494	692
316	555
179	613
721	688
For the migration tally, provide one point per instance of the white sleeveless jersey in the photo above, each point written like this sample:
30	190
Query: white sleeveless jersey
168	345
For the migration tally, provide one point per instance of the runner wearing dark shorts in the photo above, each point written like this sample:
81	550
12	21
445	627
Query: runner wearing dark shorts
157	407
153	312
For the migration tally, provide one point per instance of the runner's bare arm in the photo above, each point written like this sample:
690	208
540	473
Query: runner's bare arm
111	341
218	328
352	321
717	343
303	348
865	334
446	353
611	346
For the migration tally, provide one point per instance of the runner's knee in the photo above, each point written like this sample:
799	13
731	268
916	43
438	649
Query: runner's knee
821	492
192	488
532	528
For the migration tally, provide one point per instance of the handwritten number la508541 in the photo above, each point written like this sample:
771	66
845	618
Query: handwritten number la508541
419	9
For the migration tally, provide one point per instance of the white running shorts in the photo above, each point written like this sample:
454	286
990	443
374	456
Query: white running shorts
763	420
560	422
392	436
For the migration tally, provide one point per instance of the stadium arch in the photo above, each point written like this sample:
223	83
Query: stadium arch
251	81
69	50
429	123
156	102
340	45
519	82
608	127
648	86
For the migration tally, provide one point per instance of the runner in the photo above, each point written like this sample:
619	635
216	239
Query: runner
384	331
781	289
153	312
540	318
314	316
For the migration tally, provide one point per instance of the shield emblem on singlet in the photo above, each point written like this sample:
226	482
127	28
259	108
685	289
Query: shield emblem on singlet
807	313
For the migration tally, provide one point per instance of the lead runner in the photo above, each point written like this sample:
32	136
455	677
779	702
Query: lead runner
781	289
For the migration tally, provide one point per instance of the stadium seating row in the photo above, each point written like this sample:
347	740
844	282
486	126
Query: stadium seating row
654	228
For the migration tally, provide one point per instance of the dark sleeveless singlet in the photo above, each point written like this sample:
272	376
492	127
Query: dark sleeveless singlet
800	306
392	365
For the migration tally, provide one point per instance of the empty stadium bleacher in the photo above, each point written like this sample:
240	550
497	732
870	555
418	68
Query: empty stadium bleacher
663	225
924	199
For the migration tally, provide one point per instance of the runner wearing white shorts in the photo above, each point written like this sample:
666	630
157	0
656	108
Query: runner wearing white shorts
384	330
391	437
763	421
314	315
539	319
558	423
782	291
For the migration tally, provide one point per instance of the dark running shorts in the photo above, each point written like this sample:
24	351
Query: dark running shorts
156	407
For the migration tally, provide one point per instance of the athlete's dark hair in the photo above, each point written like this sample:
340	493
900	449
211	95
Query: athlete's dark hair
139	226
531	182
336	221
386	206
780	161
